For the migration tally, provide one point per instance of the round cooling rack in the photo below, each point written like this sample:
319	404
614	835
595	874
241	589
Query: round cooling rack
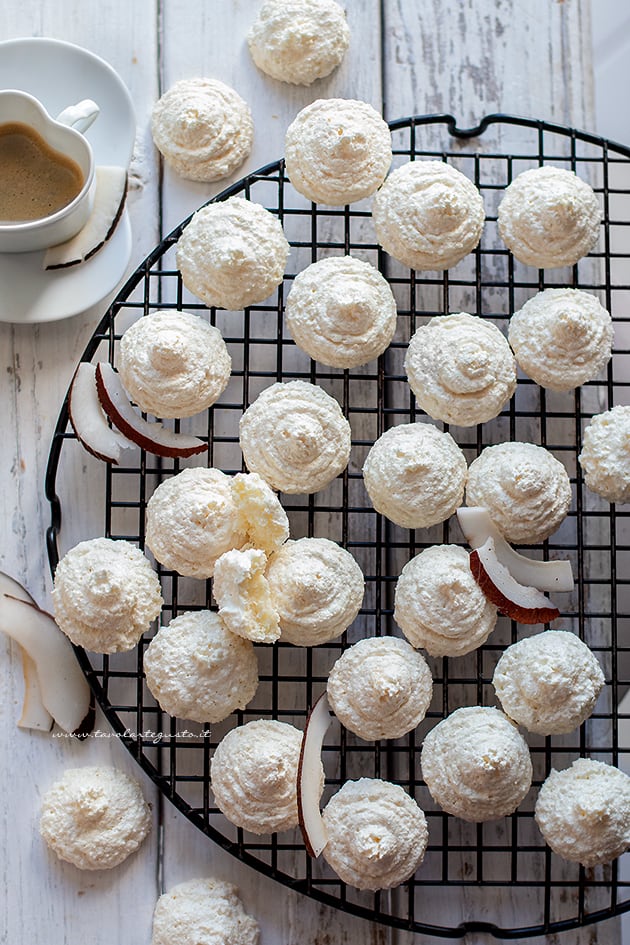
472	872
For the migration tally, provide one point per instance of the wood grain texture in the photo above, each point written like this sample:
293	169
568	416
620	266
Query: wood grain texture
468	58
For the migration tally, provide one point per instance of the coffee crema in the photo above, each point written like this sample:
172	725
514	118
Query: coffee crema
35	179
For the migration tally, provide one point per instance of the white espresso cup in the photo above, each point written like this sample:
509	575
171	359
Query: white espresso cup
62	135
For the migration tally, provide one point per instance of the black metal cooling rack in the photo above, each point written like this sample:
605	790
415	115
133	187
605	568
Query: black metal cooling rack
468	869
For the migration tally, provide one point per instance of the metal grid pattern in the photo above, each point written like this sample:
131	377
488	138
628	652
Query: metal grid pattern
469	862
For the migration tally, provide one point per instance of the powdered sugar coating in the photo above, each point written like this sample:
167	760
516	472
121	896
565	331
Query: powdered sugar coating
377	834
583	812
439	606
548	683
192	520
254	776
232	253
561	338
380	688
341	311
460	369
198	670
242	593
428	215
298	41
337	151
317	589
525	489
173	364
415	475
105	595
476	764
605	456
203	128
94	817
203	912
296	437
549	217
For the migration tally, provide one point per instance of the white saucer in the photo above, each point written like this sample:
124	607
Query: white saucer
59	74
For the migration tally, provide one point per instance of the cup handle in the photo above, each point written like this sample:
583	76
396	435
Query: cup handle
79	116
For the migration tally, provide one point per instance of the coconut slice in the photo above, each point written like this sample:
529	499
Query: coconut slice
64	690
150	435
88	420
527	605
312	824
477	526
35	715
109	202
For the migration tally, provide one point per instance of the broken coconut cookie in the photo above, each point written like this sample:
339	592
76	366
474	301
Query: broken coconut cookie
296	437
316	588
298	41
428	215
460	369
232	253
242	593
198	670
438	604
605	456
173	364
549	217
203	912
476	765
415	475
341	311
94	817
548	683
561	338
254	776
583	812
525	489
202	128
337	151
377	834
196	516
105	594
380	688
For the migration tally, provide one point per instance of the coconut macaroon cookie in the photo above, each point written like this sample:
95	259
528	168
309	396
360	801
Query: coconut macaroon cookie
476	764
295	436
605	456
380	688
203	912
94	817
439	606
549	217
232	253
105	595
337	151
377	834
316	588
525	489
460	369
298	41
198	670
254	776
583	812
415	475
428	215
341	311
173	364
548	683
202	128
561	338
242	593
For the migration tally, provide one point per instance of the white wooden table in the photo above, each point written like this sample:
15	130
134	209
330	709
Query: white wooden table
467	57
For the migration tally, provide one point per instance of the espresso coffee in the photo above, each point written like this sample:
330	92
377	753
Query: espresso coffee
35	179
